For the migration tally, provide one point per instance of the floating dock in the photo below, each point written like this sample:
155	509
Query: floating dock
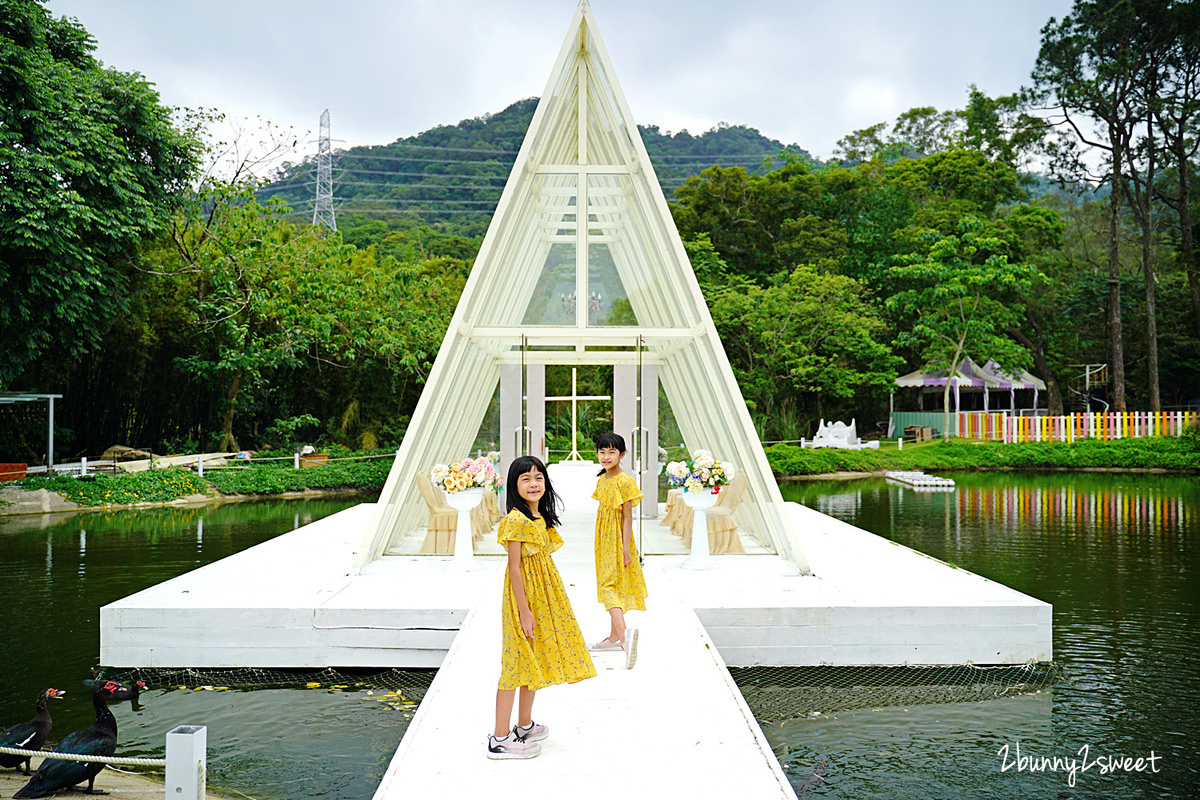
295	602
920	480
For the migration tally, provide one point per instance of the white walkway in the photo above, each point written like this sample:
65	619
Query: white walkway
673	726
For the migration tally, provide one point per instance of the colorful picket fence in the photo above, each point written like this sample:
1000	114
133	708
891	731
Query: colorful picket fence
1114	425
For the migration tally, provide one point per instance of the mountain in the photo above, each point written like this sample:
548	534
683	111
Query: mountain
450	177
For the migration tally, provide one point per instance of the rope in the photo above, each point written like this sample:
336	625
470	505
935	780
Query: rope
258	459
129	762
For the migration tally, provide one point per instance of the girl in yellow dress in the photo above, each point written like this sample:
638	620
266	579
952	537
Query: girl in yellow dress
542	643
620	586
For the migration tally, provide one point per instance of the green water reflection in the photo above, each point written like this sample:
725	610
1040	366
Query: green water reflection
56	573
1117	556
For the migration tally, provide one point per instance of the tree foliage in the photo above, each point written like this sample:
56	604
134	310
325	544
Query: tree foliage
815	335
964	295
89	165
925	241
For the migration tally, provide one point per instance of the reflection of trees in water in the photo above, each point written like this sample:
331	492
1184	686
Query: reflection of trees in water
1099	504
148	525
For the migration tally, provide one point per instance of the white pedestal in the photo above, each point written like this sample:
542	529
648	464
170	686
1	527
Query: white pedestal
700	502
464	547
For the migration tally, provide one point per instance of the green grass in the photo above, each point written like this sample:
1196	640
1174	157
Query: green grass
277	477
1181	453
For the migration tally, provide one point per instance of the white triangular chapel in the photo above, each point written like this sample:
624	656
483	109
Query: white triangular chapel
582	151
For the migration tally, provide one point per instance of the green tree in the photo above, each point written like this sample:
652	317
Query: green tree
815	337
948	185
760	225
268	294
1000	128
1177	114
964	295
916	133
1088	68
89	165
1035	236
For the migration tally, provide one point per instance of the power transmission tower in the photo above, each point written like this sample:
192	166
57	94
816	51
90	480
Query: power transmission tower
323	209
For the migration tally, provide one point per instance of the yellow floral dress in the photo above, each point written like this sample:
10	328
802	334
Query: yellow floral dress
557	652
616	584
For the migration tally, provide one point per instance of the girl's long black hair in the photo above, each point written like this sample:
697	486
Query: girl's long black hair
548	503
613	440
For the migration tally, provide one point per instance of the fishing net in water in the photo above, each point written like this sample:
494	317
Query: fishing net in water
409	684
778	693
773	693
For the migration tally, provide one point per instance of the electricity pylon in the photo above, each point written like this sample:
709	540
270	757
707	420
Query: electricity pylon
323	209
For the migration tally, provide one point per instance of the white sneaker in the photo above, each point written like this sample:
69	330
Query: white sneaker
512	746
535	732
604	646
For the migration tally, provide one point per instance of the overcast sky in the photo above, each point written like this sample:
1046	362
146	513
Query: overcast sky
800	71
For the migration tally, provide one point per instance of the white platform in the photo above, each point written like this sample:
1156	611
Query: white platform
293	602
674	726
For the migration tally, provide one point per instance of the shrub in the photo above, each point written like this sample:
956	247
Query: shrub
960	454
151	486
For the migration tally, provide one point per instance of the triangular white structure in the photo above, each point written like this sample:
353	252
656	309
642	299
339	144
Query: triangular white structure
582	150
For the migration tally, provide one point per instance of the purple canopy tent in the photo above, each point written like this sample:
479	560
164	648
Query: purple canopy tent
973	377
923	378
994	377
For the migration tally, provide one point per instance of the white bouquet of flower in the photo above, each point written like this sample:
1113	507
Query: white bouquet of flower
702	472
466	474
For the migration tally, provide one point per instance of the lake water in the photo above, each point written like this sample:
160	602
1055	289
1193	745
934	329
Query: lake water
1116	555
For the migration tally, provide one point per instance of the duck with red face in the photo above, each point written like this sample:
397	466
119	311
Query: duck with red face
98	740
124	691
30	735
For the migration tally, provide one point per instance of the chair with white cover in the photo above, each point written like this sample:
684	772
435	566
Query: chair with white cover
722	530
673	510
491	508
442	520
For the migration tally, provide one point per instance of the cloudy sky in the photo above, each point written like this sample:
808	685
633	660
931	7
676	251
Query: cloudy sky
802	71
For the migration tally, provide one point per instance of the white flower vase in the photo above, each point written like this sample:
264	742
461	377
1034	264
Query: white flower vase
464	501
700	502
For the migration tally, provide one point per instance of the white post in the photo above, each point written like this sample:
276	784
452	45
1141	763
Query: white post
464	501
200	465
624	411
187	765
296	460
510	414
900	443
83	466
50	440
535	409
699	502
650	462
